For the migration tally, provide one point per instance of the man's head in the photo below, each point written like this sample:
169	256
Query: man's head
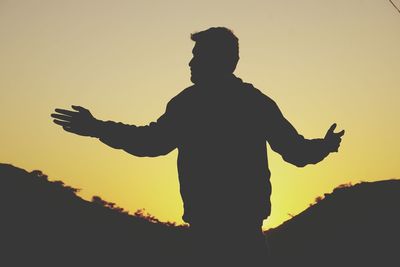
215	54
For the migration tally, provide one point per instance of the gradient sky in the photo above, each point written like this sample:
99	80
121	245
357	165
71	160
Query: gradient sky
321	61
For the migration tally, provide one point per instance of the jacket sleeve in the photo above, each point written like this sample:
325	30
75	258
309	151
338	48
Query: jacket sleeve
285	140
156	139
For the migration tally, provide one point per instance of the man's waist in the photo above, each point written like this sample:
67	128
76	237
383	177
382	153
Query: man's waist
243	214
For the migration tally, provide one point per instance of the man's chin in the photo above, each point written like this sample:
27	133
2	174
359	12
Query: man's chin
194	79
197	79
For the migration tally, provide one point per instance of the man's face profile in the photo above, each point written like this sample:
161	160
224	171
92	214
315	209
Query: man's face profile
198	65
205	64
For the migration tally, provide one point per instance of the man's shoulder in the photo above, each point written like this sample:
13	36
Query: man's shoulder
257	94
184	94
187	92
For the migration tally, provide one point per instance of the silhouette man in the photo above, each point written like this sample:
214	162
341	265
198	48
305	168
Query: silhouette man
220	126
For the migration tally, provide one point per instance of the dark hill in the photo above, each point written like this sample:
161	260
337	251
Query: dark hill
45	223
353	226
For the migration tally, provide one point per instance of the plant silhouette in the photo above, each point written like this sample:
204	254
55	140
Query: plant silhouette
220	126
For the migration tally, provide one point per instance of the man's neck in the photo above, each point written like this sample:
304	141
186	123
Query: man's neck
218	80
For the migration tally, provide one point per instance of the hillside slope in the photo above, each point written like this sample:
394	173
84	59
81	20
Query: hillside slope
353	226
45	223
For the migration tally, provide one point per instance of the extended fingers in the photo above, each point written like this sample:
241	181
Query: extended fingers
341	133
62	117
62	123
66	112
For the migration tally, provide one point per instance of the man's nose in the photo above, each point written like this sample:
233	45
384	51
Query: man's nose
191	63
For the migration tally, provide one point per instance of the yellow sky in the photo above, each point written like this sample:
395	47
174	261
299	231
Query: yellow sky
322	61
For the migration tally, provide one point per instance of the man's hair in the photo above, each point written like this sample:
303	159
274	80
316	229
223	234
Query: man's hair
221	42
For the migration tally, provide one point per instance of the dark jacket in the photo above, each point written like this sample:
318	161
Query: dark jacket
220	130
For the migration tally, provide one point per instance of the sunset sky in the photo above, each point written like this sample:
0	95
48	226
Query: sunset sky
321	61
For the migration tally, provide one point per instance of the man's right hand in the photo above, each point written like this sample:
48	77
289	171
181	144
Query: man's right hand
80	121
333	139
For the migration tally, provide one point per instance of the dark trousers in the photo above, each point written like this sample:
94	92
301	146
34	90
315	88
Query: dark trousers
227	244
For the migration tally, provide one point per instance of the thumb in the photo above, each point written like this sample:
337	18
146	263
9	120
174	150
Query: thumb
341	133
332	128
79	108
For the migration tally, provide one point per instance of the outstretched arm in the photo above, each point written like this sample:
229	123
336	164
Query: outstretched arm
152	140
294	148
